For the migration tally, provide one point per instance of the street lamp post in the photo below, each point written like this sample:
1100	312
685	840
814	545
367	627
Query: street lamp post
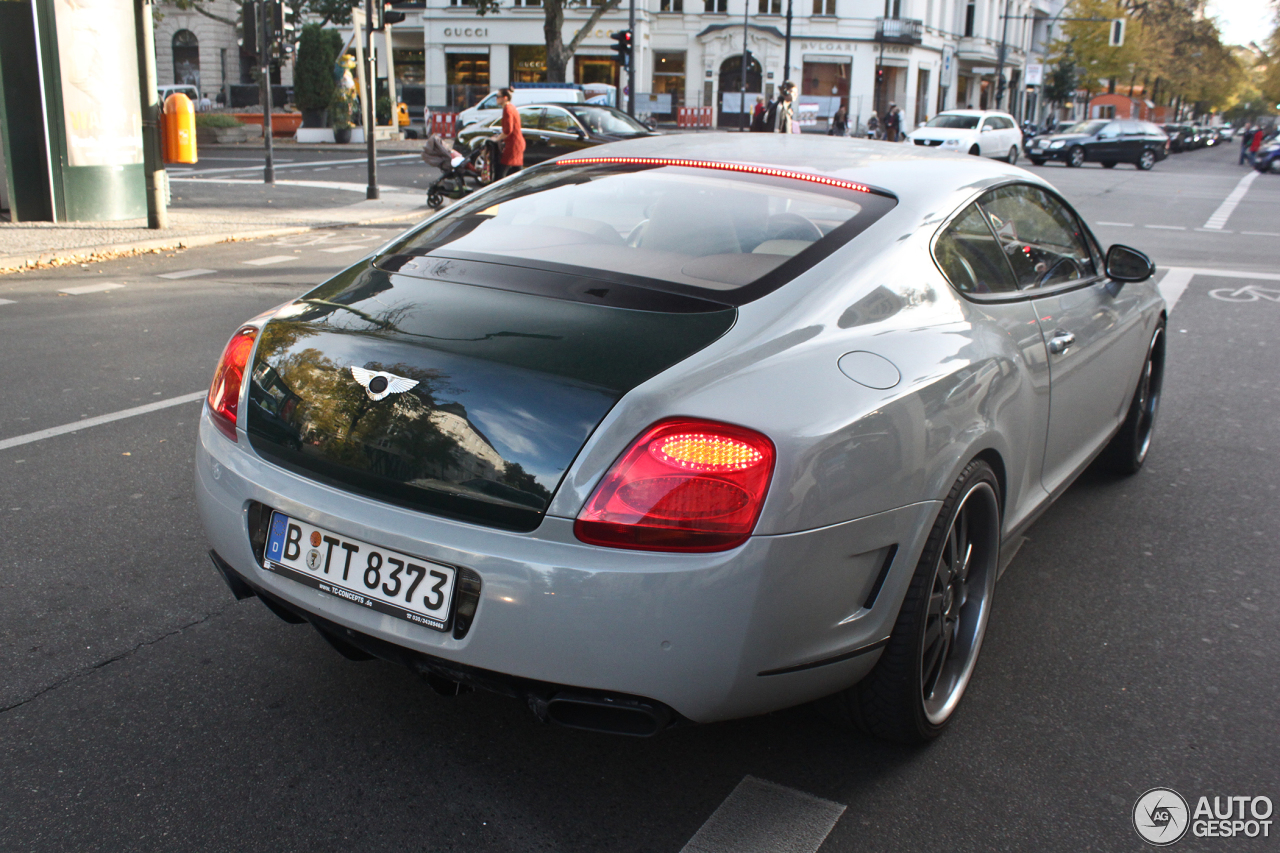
152	165
1004	45
786	60
371	112
742	93
266	19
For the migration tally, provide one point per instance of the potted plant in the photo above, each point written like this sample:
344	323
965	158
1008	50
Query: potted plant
313	82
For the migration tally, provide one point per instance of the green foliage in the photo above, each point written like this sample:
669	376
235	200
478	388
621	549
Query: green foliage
383	106
313	72
1062	81
330	11
340	109
216	120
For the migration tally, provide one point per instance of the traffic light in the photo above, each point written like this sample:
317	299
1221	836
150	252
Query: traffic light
390	17
248	28
1117	33
622	47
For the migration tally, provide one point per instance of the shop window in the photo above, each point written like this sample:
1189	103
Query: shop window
528	63
668	76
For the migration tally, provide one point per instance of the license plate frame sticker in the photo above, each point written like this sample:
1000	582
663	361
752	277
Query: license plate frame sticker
407	587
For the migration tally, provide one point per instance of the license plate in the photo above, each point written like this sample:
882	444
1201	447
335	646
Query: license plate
410	588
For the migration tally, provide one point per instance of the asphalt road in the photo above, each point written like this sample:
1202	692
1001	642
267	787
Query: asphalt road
1133	642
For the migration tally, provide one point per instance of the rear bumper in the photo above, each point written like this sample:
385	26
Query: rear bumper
777	622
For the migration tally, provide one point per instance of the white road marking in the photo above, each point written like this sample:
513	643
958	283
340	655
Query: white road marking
16	441
335	249
320	185
1214	231
1173	284
7	302
1260	276
90	288
322	169
1224	211
273	259
1167	227
763	817
1118	224
184	274
1262	233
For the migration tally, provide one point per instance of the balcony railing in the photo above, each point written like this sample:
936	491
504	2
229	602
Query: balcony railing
899	30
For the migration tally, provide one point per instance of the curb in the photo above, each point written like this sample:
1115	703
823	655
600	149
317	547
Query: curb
86	254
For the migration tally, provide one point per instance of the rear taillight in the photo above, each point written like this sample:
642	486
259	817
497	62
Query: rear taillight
224	392
683	485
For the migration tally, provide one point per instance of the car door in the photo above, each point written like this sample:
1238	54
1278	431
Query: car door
1092	327
987	140
1133	138
1010	136
563	132
536	148
971	256
1106	145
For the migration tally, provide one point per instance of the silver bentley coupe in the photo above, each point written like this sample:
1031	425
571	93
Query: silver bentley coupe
683	430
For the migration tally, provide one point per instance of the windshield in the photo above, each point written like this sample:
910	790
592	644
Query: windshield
1088	128
957	122
699	228
608	120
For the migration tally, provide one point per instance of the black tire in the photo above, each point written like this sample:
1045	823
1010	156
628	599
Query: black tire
435	201
1037	161
1146	160
1075	157
1108	164
975	151
1129	447
1012	158
898	700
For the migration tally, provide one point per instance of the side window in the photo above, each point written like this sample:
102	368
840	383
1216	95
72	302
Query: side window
559	121
1002	123
986	123
530	117
971	258
1110	131
1039	235
488	103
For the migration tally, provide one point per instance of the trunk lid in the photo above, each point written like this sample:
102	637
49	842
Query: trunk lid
510	376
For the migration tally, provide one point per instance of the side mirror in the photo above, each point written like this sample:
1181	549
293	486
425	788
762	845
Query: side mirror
582	134
985	128
1126	264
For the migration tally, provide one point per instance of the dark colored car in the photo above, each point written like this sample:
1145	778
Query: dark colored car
554	129
1105	141
1180	137
1268	157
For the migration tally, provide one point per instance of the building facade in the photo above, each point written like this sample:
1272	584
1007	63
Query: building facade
921	55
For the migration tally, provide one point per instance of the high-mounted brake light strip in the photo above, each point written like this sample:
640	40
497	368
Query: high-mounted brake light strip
723	167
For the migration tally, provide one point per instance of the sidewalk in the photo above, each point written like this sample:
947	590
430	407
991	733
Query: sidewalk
203	212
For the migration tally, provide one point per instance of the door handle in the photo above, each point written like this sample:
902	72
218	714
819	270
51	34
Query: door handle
1060	342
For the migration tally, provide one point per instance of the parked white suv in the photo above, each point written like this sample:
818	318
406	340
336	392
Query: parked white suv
982	132
522	96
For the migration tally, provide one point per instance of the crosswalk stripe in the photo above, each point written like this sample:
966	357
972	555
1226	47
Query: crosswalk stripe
184	274
90	288
273	259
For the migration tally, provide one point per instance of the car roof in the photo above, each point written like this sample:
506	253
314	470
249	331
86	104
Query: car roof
975	113
915	175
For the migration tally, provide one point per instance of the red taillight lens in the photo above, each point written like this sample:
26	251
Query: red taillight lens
684	485
224	392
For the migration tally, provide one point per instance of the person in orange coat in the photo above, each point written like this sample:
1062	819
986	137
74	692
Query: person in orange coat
511	137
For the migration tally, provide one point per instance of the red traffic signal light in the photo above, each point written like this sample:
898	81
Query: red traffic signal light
622	47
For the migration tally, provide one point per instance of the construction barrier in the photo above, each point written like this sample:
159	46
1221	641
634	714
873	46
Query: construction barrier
694	117
445	124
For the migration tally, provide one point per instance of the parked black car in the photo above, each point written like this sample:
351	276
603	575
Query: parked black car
554	129
1180	137
1105	141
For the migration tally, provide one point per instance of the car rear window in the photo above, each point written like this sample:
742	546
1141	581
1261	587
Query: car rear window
698	229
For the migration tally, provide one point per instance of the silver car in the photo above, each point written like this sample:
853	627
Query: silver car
684	430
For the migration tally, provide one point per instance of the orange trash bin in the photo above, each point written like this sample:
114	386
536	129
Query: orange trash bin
179	129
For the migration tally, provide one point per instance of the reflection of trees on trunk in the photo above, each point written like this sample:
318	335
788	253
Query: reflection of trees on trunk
421	437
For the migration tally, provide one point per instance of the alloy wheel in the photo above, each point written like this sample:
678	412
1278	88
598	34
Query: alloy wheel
959	602
1075	159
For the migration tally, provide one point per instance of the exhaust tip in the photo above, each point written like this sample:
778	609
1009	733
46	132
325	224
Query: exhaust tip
612	715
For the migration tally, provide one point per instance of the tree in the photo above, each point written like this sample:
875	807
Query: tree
558	53
313	84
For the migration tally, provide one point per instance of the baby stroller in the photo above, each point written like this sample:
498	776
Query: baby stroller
460	174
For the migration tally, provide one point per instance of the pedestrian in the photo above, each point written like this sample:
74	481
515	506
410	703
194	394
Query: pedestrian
873	126
840	123
511	137
782	117
1255	144
204	104
757	115
892	123
1246	136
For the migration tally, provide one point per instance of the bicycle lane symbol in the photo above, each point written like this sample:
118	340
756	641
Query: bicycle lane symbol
1248	293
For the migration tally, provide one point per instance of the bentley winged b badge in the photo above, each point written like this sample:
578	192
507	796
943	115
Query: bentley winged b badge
378	384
